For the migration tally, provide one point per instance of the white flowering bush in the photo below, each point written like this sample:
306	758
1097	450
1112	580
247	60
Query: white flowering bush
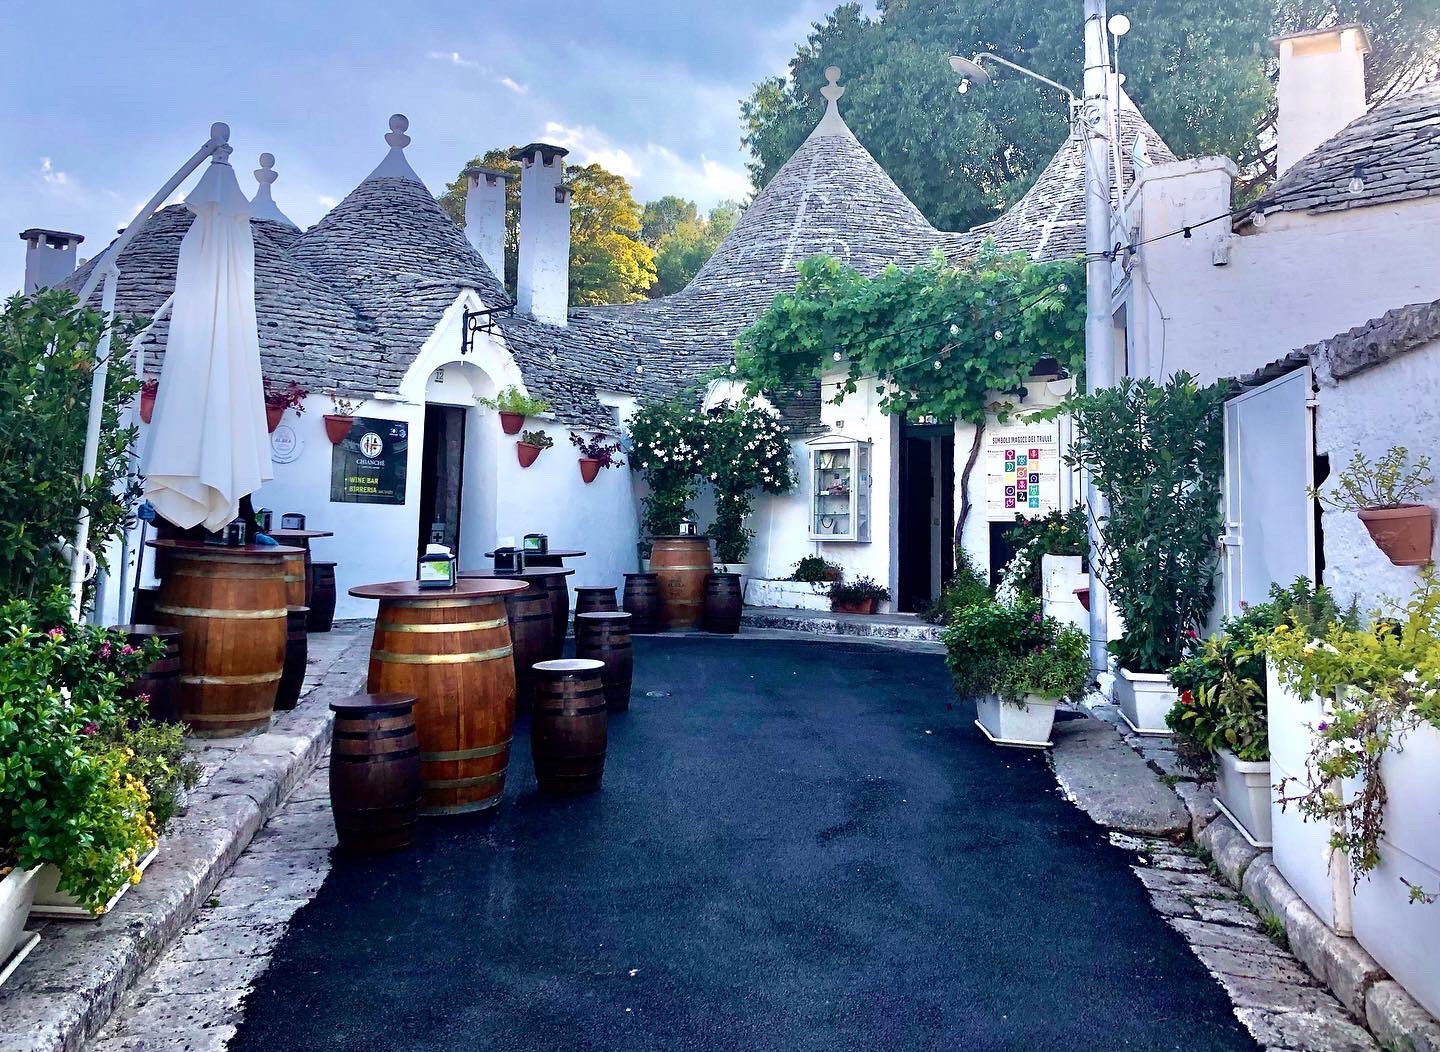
747	450
665	447
1014	588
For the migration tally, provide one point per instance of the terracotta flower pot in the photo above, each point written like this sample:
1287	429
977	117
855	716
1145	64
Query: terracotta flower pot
273	415
831	573
511	423
337	428
527	453
1083	594
1405	533
589	468
147	405
862	606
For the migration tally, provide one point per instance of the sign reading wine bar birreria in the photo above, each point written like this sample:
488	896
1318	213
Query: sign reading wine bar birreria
369	466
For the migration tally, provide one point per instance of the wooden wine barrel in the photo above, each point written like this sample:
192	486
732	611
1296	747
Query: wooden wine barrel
297	656
531	627
550	578
374	771
722	603
451	649
322	597
680	565
229	603
295	579
604	635
159	684
590	598
569	727
641	600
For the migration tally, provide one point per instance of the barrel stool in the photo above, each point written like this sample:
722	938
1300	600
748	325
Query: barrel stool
722	603
604	635
680	565
295	579
642	602
297	655
531	628
374	771
160	681
569	726
592	597
322	600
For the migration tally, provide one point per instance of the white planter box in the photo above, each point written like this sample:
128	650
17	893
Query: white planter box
1144	699
1060	575
1404	936
1301	847
54	904
1025	727
1244	795
787	595
17	891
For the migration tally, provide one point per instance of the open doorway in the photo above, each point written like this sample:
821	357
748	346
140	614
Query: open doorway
927	515
442	465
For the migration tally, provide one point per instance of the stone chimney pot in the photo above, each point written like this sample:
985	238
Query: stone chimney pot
1321	90
49	257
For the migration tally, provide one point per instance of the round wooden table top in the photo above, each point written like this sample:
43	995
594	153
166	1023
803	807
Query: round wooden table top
529	573
553	553
466	589
298	535
173	545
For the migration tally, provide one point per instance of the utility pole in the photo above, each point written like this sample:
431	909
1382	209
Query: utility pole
1099	353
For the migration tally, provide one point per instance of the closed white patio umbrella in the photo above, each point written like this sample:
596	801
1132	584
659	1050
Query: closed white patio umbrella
209	445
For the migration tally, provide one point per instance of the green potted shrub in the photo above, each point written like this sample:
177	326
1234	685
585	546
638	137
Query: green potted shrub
966	589
1018	665
860	596
816	569
531	445
1384	495
1155	454
514	406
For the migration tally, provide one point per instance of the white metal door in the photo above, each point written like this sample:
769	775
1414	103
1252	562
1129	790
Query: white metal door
1269	467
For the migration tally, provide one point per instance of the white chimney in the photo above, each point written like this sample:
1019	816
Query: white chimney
49	257
1322	88
542	281
485	216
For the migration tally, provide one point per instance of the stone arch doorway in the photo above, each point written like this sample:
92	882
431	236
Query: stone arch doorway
458	469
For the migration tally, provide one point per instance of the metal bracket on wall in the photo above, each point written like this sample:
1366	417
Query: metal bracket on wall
475	322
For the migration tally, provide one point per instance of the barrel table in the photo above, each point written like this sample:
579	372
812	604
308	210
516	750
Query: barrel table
592	597
229	604
554	557
374	771
680	565
569	727
159	684
322	597
301	539
532	618
604	635
641	600
552	580
450	648
722	603
297	656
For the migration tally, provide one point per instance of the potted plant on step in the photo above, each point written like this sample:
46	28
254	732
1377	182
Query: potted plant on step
514	406
860	596
1385	496
1155	454
148	390
339	423
279	398
530	446
595	453
1018	665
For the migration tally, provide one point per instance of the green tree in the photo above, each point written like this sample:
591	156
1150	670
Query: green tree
1202	74
661	217
685	248
609	263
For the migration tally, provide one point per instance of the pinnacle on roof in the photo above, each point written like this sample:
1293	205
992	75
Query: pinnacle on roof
262	205
395	163
832	123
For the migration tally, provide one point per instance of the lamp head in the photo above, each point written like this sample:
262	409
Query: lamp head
971	70
1118	25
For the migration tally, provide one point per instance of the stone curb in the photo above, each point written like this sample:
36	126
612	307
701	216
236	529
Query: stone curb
1341	963
834	626
70	986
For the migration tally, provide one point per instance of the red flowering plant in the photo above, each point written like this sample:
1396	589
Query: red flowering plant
286	396
597	448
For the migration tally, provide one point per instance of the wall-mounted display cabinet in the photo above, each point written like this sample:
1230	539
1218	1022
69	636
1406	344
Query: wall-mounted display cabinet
839	489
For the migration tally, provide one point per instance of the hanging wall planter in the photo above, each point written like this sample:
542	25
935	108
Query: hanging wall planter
1083	594
273	415
589	468
337	428
530	446
1405	533
511	423
147	400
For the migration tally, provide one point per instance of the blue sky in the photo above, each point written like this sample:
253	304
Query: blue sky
101	100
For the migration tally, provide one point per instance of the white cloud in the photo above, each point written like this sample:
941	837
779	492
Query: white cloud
652	169
518	89
327	202
51	174
454	58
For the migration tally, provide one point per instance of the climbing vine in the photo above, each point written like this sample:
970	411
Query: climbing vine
950	342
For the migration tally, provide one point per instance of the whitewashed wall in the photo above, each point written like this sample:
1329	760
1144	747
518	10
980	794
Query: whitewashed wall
1300	279
1395	404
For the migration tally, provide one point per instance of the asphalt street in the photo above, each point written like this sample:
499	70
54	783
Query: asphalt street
797	845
